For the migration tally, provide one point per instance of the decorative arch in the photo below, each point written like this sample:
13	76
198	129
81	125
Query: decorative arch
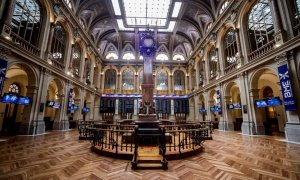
257	74
31	72
128	48
162	49
111	48
180	50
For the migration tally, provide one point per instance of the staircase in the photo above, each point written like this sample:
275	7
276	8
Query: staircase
149	162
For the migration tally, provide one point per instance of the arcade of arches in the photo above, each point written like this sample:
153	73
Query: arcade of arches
216	61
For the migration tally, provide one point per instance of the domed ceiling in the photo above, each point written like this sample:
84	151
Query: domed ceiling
108	28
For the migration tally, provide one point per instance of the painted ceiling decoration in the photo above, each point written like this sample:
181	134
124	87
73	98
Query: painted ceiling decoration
115	24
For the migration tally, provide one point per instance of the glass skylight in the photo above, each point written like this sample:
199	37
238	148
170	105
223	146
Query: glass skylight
149	12
116	7
170	27
121	26
176	9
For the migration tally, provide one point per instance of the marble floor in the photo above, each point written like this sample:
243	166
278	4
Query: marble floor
60	155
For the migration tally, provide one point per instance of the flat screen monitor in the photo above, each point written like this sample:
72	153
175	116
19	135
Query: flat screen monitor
214	109
85	109
237	106
50	103
74	108
230	106
202	110
275	101
24	100
10	98
260	103
56	105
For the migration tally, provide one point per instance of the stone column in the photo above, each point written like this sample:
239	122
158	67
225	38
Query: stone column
196	99
206	106
5	24
280	35
92	73
191	111
135	110
172	115
210	114
228	114
92	107
50	39
239	60
292	126
257	126
171	86
197	75
117	116
81	104
59	114
220	69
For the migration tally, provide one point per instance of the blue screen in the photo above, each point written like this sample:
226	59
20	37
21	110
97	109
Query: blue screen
74	108
50	103
214	109
56	105
9	98
202	110
24	100
85	109
261	103
237	106
230	106
274	101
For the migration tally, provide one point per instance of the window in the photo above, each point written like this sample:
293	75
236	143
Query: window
162	80
26	20
68	3
223	7
14	88
76	59
178	57
162	57
296	22
179	81
110	79
230	48
58	43
111	56
260	25
128	56
213	61
127	79
208	27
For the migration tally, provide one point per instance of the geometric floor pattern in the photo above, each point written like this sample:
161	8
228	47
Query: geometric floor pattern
60	155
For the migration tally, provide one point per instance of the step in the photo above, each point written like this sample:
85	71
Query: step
150	166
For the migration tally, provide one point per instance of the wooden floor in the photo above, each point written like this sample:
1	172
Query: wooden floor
60	155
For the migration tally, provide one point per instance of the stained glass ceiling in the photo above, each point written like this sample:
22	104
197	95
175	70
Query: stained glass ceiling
146	13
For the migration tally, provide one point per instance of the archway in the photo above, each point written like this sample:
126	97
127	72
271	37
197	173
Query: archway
233	107
53	104
270	115
17	98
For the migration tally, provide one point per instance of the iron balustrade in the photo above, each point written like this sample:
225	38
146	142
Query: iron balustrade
24	44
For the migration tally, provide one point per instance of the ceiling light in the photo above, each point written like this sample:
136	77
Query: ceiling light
176	9
116	7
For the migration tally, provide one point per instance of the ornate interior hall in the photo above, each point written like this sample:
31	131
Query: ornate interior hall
149	89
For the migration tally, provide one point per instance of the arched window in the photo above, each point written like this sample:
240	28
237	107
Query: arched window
76	59
223	7
26	20
230	48
260	25
179	81
162	57
178	57
128	56
58	44
213	62
14	88
127	79
111	56
208	27
110	79
162	80
141	75
296	22
68	3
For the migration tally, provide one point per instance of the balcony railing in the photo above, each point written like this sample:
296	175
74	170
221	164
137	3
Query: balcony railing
262	50
24	44
230	68
57	64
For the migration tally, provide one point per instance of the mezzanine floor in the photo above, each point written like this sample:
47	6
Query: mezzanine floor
60	155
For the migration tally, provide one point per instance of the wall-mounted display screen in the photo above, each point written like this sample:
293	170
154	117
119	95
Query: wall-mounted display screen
85	109
202	110
24	100
261	103
215	109
275	101
9	98
56	105
74	108
234	106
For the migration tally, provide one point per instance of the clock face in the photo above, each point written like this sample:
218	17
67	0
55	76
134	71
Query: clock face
148	42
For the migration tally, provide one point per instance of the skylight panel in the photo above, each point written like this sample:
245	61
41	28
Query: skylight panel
176	9
121	26
170	27
116	7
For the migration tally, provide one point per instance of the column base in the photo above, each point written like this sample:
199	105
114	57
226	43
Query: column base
253	129
33	128
61	125
117	117
292	132
226	126
172	117
135	117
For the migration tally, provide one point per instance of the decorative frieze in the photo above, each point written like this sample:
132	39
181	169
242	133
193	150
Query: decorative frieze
4	52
